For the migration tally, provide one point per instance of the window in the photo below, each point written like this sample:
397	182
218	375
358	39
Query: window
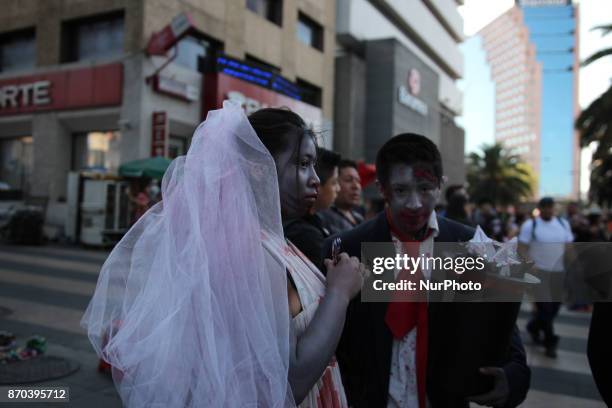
191	49
17	50
262	64
311	94
310	32
16	163
96	151
92	37
271	10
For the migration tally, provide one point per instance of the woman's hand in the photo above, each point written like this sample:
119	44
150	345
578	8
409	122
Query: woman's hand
313	350
345	277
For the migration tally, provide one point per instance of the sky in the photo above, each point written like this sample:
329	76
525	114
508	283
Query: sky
478	117
594	79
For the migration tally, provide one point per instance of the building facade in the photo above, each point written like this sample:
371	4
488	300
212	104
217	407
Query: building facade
396	69
533	53
518	77
89	85
553	30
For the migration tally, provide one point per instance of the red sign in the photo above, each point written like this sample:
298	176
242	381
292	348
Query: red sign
159	131
165	39
219	87
414	81
69	89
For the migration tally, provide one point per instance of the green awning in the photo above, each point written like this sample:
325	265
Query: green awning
153	167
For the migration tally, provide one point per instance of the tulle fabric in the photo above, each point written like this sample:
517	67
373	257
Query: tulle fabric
189	309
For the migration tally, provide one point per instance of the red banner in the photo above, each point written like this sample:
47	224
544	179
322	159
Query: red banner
69	89
159	131
219	87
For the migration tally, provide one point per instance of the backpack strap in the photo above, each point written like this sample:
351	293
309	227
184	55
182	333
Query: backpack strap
560	219
534	223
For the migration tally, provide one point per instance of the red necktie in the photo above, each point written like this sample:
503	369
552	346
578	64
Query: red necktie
403	316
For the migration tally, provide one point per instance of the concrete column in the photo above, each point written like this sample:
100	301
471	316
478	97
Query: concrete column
350	108
52	156
132	124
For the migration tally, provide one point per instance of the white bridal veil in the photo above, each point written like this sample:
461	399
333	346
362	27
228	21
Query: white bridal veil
189	309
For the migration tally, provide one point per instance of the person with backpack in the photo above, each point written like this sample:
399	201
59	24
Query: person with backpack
544	240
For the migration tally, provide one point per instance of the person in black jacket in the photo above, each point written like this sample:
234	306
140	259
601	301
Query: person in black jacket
599	351
343	214
409	172
308	232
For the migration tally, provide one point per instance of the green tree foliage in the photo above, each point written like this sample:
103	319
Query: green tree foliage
499	176
595	125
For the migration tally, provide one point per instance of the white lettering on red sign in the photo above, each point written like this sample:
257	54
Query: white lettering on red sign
25	95
249	105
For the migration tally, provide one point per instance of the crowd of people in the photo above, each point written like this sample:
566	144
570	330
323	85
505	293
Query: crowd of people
234	292
503	222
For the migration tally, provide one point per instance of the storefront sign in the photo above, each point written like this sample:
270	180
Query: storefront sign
159	131
249	105
257	76
414	103
219	87
24	95
176	88
165	39
407	96
60	90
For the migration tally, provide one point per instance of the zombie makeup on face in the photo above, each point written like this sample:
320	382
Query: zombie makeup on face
297	179
411	193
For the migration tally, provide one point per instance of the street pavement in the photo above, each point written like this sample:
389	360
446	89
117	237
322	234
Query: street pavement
48	288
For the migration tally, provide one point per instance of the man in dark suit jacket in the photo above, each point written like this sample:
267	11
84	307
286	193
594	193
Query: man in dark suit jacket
409	172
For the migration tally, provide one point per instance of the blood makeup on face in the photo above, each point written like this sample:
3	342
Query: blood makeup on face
298	182
411	193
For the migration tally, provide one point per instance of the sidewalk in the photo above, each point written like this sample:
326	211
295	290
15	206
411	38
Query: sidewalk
47	289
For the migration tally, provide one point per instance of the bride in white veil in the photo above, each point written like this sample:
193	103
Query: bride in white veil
191	310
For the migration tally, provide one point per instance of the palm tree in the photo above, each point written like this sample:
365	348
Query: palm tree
499	176
595	125
605	30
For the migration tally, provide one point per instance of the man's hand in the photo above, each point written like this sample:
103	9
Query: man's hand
498	396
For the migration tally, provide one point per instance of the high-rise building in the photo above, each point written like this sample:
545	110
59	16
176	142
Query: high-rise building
397	66
532	50
517	77
553	30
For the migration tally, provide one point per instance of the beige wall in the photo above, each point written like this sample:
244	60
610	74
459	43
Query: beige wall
48	15
243	32
228	21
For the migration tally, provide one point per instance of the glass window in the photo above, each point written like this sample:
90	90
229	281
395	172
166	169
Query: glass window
310	32
311	94
16	163
95	37
98	151
17	50
190	49
271	10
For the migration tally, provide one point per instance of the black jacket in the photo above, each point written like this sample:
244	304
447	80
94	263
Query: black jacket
364	351
307	234
333	219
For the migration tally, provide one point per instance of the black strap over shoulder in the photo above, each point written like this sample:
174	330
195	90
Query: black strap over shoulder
534	223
